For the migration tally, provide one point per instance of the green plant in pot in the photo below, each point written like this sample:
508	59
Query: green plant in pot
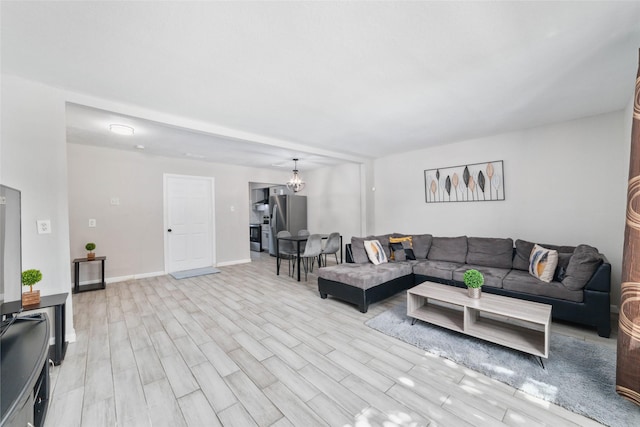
474	281
90	247
30	278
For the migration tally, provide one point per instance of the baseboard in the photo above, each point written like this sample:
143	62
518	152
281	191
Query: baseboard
124	278
69	337
134	277
239	261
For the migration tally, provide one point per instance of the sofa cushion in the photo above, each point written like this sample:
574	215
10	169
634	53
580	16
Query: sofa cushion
543	263
583	263
451	249
440	269
365	276
421	245
375	252
524	248
492	276
358	252
401	248
490	252
522	281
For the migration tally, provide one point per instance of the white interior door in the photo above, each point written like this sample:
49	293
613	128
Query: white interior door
189	222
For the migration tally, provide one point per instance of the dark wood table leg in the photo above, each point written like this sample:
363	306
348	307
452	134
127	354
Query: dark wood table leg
103	284
277	256
298	250
76	279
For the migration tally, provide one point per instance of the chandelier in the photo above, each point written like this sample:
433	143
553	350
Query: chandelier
295	183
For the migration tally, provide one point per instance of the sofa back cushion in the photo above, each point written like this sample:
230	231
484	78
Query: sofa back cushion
452	249
490	252
524	248
583	263
421	245
357	249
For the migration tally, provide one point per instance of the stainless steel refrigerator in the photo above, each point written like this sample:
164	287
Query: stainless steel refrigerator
286	213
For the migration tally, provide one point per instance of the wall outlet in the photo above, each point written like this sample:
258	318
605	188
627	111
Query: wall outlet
115	201
92	223
44	226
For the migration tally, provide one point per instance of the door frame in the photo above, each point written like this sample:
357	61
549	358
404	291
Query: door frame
165	208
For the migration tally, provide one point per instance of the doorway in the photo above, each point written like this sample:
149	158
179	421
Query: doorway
189	222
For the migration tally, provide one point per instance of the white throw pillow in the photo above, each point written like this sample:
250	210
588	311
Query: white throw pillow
543	263
375	252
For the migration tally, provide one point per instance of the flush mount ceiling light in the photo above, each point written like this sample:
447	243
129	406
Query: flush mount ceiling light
121	129
295	183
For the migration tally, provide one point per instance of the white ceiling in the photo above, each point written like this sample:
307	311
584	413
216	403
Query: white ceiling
325	81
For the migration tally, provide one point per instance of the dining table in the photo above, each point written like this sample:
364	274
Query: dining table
298	240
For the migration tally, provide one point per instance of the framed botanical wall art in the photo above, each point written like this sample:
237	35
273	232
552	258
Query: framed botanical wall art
477	182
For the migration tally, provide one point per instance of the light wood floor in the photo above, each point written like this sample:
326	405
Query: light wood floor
246	347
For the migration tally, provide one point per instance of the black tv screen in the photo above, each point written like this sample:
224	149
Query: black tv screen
10	246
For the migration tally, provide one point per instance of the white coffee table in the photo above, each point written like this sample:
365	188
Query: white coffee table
514	323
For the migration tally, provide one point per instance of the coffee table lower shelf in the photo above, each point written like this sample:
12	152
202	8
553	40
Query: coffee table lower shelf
510	322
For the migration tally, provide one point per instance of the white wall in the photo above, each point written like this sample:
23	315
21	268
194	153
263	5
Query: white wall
334	202
564	184
33	160
131	234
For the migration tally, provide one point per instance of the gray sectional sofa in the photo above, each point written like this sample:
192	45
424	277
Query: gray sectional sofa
579	291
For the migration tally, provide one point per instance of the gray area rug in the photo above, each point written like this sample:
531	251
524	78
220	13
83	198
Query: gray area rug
579	376
193	273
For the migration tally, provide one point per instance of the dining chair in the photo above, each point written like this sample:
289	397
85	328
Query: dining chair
311	251
303	233
332	246
286	250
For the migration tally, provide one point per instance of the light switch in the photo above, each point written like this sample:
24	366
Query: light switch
92	223
233	208
115	201
44	226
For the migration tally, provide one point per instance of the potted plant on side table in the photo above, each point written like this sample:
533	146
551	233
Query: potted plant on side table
474	281
90	247
30	278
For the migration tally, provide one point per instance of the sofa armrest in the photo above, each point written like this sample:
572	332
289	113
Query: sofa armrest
348	255
601	279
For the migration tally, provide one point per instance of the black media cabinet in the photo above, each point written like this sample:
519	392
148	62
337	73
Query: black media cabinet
24	372
59	302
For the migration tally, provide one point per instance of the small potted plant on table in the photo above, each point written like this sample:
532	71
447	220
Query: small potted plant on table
30	278
474	281
90	247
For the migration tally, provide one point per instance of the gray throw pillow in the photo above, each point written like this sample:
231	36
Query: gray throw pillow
583	263
357	249
400	255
